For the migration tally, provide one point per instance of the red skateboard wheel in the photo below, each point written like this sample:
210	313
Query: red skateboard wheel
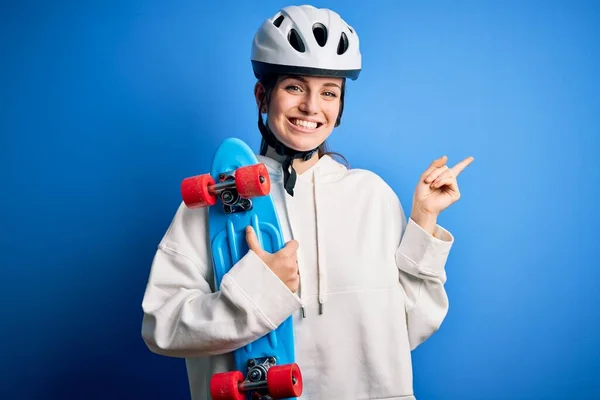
194	191
225	386
252	181
284	381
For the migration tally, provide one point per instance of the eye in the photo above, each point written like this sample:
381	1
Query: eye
330	94
292	88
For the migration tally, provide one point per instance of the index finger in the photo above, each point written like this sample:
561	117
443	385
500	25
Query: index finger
458	168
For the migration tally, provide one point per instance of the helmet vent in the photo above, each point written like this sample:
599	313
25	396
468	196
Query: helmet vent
278	21
296	41
320	33
343	44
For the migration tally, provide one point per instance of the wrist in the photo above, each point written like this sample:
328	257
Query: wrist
427	221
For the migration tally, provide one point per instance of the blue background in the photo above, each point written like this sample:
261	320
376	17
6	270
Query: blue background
106	106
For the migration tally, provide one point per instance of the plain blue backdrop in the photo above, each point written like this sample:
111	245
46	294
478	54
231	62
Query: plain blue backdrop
106	106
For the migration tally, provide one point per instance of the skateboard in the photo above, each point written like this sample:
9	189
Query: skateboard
237	194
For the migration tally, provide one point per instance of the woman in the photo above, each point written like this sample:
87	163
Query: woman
364	284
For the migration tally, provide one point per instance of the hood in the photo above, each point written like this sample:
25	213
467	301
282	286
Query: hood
326	169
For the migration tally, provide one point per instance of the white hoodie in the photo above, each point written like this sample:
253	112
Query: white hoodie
371	288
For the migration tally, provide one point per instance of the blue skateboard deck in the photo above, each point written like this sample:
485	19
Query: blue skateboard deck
228	218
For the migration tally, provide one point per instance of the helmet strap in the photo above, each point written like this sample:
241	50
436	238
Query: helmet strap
289	173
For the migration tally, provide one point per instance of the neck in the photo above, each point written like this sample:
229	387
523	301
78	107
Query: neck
300	165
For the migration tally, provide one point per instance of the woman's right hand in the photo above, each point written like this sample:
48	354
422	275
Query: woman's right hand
283	263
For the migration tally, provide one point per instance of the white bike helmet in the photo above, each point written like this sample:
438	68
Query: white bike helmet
306	40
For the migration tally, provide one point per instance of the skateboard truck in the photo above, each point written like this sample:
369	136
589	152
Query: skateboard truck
226	190
235	189
265	380
256	378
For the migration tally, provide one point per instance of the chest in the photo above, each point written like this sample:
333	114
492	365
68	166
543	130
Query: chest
345	235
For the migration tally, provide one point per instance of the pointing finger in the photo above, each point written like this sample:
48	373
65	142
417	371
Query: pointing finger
458	168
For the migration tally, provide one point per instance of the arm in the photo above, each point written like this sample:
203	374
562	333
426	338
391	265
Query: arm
421	259
185	317
424	247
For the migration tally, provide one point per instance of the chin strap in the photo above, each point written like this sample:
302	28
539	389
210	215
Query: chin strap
289	178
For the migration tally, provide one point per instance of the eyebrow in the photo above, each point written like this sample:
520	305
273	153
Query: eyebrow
300	78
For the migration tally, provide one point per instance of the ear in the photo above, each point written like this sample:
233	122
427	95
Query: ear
259	94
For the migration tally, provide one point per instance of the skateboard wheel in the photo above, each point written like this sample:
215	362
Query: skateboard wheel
225	386
194	191
252	181
284	381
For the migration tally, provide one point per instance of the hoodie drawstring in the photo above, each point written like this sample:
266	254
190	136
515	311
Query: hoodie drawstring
321	270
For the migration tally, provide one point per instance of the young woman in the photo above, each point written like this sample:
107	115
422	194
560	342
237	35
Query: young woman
364	284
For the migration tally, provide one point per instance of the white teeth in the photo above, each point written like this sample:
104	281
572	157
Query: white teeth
305	124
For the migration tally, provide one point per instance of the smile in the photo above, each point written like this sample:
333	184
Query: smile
304	123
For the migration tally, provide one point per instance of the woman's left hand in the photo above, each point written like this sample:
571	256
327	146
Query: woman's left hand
437	188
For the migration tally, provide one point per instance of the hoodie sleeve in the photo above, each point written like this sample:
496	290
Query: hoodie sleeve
184	317
421	260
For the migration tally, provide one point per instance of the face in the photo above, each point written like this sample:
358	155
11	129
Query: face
303	110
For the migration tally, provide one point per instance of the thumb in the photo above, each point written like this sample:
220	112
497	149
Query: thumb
290	248
253	243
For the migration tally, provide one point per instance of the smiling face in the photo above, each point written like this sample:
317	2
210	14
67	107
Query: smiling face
303	110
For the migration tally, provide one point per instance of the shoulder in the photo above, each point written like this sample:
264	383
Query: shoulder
364	185
335	170
367	175
370	181
185	225
370	194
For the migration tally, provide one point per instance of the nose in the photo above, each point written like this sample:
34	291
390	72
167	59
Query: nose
310	104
